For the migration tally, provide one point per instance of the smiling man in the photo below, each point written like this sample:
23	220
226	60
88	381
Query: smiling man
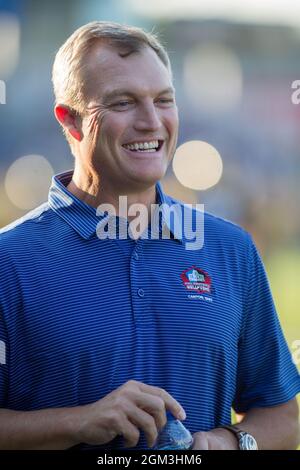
101	337
126	132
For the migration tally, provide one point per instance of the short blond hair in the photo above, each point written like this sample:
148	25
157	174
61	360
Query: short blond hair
70	57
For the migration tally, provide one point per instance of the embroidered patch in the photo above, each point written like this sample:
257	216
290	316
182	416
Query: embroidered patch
197	280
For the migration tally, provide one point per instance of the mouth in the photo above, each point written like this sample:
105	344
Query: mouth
138	149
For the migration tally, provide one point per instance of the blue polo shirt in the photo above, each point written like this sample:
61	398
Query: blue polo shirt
80	316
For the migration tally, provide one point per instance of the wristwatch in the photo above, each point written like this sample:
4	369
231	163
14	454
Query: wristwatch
245	440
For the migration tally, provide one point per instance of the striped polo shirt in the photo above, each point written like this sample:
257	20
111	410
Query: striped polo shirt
80	316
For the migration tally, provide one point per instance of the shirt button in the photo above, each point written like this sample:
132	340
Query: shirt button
141	292
136	256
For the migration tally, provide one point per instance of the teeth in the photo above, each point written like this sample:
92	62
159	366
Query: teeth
142	146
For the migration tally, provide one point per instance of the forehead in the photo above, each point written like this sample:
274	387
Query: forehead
141	72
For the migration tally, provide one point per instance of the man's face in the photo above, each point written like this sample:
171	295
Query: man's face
130	101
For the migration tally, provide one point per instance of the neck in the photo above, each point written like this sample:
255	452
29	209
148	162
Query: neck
94	192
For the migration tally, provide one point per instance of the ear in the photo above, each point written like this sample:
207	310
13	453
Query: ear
67	118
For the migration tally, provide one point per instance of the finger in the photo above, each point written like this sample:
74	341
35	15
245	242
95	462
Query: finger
170	403
154	405
200	441
129	431
143	421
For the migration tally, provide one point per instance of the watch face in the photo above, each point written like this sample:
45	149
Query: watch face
247	442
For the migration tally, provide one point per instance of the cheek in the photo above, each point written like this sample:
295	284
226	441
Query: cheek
113	130
175	119
171	122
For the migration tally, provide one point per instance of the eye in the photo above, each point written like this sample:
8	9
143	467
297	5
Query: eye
122	104
166	100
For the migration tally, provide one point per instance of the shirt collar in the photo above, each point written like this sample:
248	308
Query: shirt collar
84	218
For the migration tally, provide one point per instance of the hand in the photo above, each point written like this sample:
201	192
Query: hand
216	439
124	411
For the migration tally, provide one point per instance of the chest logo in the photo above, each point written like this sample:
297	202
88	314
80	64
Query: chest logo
196	280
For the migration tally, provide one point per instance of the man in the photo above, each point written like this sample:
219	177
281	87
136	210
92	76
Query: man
102	336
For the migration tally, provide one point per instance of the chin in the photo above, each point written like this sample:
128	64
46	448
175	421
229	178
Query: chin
151	178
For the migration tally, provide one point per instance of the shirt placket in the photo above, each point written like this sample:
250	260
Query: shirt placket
140	288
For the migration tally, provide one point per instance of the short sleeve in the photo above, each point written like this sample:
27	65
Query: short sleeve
3	362
266	374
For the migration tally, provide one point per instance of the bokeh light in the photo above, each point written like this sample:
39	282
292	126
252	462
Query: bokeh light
10	41
27	181
197	165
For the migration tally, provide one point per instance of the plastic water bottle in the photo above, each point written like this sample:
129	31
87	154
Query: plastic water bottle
174	435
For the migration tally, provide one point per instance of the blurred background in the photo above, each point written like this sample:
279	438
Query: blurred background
234	64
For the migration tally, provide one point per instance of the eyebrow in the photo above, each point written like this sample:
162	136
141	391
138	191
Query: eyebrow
126	92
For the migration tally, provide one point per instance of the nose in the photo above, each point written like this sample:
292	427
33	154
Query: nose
147	118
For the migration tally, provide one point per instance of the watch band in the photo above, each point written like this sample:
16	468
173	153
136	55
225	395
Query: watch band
245	440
